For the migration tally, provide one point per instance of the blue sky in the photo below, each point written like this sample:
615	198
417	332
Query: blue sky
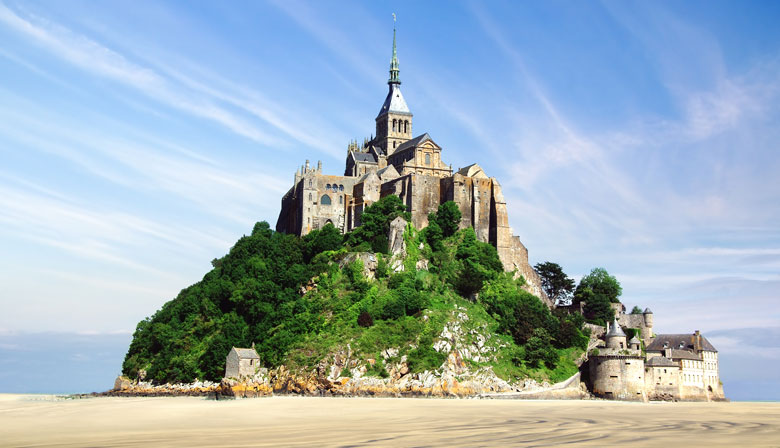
139	141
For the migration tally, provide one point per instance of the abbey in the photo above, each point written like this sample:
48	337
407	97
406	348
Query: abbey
395	162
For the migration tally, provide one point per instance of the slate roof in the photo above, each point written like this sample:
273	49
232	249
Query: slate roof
413	142
634	340
363	157
675	341
661	361
685	354
394	102
615	330
246	353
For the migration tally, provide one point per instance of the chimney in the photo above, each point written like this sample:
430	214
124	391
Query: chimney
697	342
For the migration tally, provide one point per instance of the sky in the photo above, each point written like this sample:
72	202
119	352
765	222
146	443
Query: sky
140	140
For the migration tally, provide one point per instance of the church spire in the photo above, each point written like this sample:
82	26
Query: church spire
394	71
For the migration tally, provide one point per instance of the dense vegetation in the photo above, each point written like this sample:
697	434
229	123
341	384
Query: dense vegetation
254	294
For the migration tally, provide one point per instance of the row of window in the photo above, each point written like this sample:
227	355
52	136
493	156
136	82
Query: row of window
401	125
334	187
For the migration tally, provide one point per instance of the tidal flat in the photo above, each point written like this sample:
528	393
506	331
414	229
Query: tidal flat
34	420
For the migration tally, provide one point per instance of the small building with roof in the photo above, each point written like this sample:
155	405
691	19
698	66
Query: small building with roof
242	362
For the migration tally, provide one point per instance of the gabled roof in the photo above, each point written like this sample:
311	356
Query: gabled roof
363	157
246	353
472	170
678	341
414	142
685	354
394	103
660	361
387	173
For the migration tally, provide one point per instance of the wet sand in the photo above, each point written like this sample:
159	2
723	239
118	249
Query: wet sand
295	421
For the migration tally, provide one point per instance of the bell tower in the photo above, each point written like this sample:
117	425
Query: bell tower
394	122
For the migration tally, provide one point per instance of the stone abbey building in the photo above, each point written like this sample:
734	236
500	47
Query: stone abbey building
411	167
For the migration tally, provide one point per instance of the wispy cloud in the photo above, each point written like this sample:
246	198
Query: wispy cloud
170	88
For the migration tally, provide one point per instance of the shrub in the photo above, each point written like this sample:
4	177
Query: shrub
365	319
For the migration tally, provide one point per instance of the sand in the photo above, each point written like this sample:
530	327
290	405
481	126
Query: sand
296	421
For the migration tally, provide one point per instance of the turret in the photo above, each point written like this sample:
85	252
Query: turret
647	330
615	337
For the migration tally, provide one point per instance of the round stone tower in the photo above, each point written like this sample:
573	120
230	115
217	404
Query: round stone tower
615	337
646	332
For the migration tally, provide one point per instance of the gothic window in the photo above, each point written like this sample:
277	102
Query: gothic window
406	126
427	159
325	199
309	183
394	125
310	196
341	199
393	144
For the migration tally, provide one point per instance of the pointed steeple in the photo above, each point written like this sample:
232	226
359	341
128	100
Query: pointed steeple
394	71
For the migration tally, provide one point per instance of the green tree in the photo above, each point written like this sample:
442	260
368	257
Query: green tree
598	309
478	262
636	310
375	224
448	218
539	349
555	283
600	282
317	241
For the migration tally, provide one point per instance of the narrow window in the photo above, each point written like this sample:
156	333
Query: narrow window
406	126
393	145
427	159
310	196
341	199
393	125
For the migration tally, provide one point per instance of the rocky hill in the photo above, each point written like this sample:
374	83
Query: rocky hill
383	310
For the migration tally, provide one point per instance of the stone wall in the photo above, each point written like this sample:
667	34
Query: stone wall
232	365
618	377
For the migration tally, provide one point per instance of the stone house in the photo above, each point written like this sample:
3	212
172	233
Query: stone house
395	162
242	362
673	367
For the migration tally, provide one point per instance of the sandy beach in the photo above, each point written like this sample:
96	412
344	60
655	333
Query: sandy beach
30	420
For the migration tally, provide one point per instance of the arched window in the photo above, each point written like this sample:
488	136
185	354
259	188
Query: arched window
394	125
393	145
325	200
427	159
341	187
341	199
327	187
406	126
309	183
310	196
